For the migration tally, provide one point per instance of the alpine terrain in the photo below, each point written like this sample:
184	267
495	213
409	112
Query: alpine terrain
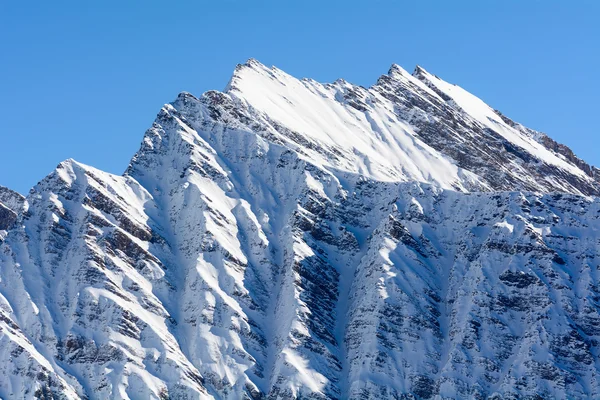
288	239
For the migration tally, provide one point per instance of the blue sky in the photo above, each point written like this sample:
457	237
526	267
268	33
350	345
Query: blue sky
85	79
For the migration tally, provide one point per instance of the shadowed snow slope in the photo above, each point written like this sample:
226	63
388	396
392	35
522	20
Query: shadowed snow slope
292	239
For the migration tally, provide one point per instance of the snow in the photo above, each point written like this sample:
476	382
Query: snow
510	228
292	239
375	144
484	114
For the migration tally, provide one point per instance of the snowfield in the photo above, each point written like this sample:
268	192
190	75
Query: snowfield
291	239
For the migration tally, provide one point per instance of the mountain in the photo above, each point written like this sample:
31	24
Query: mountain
11	203
291	239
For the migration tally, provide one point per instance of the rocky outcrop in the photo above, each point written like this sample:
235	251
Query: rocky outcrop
11	204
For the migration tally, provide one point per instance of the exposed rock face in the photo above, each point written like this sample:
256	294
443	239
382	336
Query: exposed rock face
7	217
288	239
11	203
11	199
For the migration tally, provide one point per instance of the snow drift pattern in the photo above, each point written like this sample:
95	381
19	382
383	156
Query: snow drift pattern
290	239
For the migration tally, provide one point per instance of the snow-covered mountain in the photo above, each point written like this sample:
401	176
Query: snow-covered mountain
291	239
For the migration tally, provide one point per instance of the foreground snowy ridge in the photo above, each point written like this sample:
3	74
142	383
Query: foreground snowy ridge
292	239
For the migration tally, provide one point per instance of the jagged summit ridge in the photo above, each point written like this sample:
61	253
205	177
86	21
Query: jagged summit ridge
291	239
335	126
366	127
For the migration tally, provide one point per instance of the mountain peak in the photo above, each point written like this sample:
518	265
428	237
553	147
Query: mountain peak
244	71
186	95
419	71
11	204
10	197
295	239
252	63
397	70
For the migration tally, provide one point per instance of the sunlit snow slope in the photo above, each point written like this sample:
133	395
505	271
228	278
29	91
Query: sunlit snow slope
291	239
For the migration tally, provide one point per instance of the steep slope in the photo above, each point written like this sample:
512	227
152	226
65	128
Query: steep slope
289	239
470	296
80	285
11	204
406	128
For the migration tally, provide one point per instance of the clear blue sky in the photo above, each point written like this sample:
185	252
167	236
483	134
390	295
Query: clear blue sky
84	79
